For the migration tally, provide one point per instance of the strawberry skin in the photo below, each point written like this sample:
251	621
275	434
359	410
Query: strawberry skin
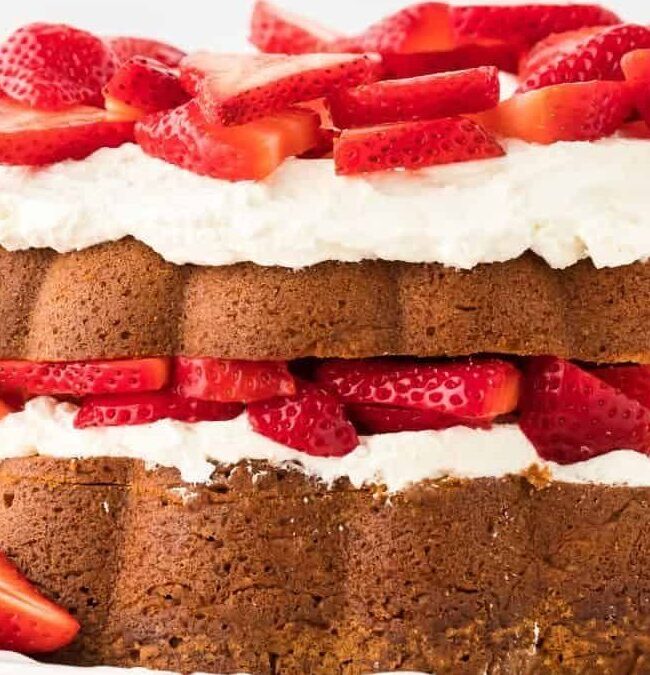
276	31
53	66
570	415
147	407
125	48
636	68
248	152
84	377
223	380
29	622
231	96
596	57
413	145
144	85
474	390
425	97
579	111
633	381
312	421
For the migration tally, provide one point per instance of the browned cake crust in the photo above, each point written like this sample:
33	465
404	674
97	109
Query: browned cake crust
276	574
122	299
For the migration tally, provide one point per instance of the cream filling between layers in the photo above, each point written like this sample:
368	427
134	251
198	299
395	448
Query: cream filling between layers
46	427
566	202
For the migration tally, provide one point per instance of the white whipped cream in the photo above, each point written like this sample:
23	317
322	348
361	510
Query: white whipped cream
565	202
45	427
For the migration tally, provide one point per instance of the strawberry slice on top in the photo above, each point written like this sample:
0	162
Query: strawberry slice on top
125	48
29	622
636	68
53	66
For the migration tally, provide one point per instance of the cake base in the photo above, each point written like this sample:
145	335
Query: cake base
268	572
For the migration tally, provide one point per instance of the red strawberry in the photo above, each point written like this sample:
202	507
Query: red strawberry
413	145
223	380
580	111
248	152
379	419
142	85
638	129
84	377
276	31
425	97
571	415
39	137
526	24
146	407
234	95
312	420
636	68
596	56
53	66
125	48
29	622
5	407
473	390
633	381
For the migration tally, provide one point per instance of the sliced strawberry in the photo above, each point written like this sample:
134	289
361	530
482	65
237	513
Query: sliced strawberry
633	381
5	407
596	56
37	137
276	31
636	68
379	419
146	407
571	415
53	66
125	48
579	111
197	67
235	95
80	378
248	152
142	85
477	390
224	380
29	622
638	129
413	145
526	24
424	97
312	420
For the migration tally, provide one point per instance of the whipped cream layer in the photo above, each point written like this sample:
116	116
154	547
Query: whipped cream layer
46	427
566	202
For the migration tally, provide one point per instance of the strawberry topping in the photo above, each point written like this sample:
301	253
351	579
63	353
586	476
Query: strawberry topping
125	48
636	68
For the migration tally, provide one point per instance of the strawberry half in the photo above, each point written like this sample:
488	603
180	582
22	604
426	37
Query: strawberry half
413	145
29	622
37	137
636	68
224	380
235	95
248	152
142	85
526	24
579	111
312	421
425	97
147	407
125	48
595	56
80	378
474	390
53	66
276	31
570	415
633	381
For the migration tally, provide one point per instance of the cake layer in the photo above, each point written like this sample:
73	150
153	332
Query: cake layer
122	299
270	573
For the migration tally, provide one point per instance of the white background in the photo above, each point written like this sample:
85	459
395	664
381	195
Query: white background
218	23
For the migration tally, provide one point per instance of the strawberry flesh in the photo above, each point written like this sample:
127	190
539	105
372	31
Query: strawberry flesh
29	622
413	145
312	420
125	48
84	377
636	68
570	415
424	97
147	407
53	66
248	152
